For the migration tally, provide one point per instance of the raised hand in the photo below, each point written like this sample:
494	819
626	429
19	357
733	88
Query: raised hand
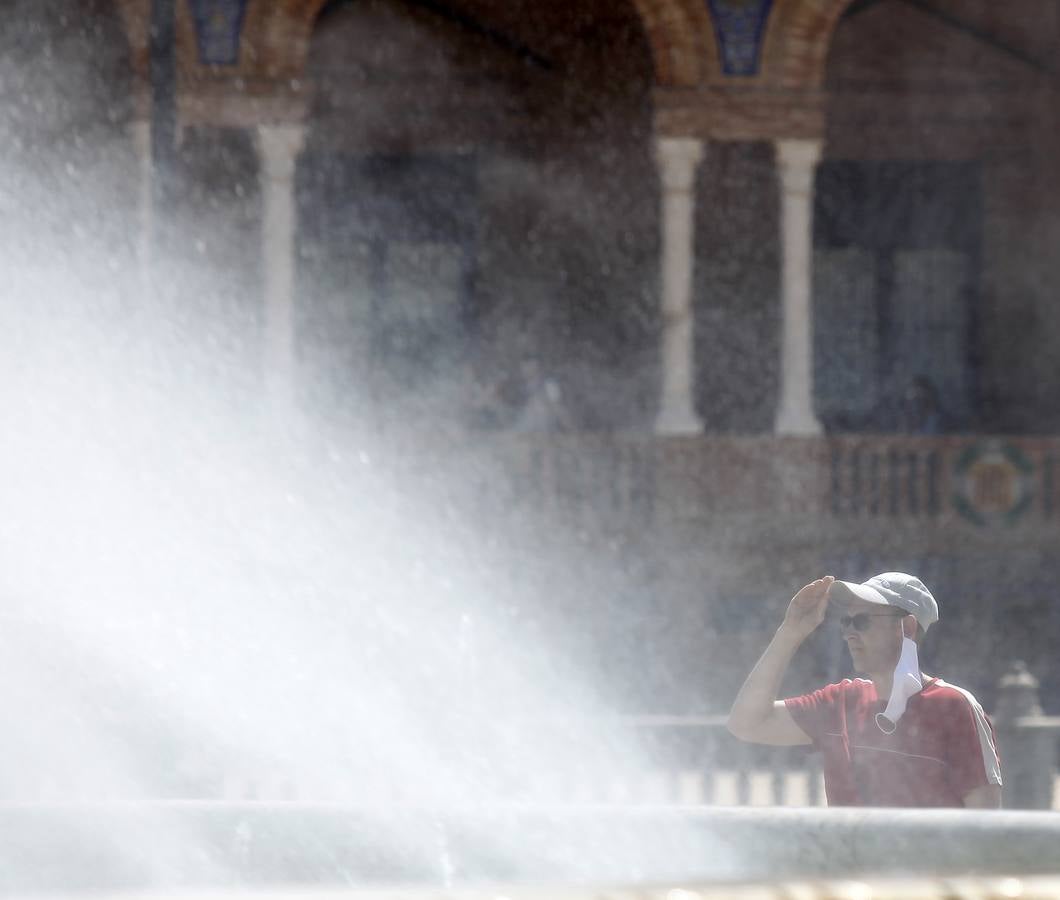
807	608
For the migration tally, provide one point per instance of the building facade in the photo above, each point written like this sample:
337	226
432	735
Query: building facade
739	291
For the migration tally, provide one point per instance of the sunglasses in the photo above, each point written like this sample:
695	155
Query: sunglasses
861	621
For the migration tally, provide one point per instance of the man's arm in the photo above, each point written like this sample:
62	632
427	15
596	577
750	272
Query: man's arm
988	796
756	714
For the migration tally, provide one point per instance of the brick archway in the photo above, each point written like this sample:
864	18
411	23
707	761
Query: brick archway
682	40
798	40
678	31
680	34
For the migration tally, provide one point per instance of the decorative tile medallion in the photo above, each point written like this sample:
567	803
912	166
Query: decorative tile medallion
218	24
993	483
740	26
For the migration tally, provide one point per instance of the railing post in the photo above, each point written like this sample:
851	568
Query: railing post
1027	752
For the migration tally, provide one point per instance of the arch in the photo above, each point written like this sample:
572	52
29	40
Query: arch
678	32
681	37
797	42
135	18
278	35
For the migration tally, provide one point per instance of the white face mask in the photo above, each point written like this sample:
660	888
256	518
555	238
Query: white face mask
907	682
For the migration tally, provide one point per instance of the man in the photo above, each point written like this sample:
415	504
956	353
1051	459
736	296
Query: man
894	738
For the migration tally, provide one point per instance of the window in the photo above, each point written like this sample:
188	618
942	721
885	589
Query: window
896	278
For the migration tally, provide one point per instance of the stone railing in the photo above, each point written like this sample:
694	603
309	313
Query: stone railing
687	761
694	761
682	761
1027	740
633	479
979	478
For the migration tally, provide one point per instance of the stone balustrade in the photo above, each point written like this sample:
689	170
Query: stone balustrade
636	479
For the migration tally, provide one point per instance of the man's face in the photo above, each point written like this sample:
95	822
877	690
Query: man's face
876	646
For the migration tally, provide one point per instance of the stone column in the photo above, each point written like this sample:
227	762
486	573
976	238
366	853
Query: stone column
278	149
677	159
140	132
797	163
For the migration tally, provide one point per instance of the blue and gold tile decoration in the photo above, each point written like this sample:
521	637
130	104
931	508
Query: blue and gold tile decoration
218	24
740	26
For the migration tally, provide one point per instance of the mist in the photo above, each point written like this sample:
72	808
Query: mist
428	595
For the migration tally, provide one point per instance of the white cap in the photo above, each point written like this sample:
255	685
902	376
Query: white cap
896	589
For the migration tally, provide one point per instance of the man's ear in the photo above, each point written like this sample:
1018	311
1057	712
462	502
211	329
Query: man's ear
909	626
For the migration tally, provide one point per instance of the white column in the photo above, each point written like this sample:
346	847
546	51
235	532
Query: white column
677	159
797	163
140	131
278	149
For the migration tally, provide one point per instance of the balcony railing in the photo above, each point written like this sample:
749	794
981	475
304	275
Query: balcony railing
630	480
694	761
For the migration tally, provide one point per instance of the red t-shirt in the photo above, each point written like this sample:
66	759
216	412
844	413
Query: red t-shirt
942	748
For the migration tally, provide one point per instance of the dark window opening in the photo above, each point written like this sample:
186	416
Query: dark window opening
896	280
